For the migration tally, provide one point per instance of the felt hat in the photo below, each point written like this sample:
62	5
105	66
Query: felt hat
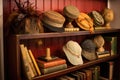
73	52
88	49
53	20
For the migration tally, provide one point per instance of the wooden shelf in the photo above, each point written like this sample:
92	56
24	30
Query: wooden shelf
15	40
63	34
73	68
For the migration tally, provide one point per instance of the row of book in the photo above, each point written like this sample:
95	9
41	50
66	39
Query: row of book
91	73
29	64
34	67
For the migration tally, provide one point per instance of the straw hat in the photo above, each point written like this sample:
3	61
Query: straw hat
53	20
85	22
71	11
73	52
97	18
99	41
88	49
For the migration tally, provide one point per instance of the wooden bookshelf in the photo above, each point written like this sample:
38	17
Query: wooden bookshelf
74	68
15	58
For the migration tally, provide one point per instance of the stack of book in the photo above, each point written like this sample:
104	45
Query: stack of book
52	65
30	67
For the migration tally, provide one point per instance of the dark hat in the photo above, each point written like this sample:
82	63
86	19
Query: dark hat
53	20
97	18
88	49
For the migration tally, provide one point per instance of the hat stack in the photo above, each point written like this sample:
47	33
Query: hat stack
98	20
53	21
88	49
73	52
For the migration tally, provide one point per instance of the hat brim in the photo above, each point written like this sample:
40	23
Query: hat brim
89	55
74	60
51	28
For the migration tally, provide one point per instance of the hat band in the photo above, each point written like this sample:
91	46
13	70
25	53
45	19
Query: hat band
72	52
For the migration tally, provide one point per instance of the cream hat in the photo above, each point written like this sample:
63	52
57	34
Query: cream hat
73	52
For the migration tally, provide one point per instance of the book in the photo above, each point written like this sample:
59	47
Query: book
53	69
114	46
103	55
104	52
95	72
82	73
107	70
25	63
30	61
111	44
34	62
88	74
44	64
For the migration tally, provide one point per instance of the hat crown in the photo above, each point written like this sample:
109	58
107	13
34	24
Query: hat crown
74	47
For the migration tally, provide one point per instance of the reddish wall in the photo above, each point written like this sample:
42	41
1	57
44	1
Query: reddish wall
58	5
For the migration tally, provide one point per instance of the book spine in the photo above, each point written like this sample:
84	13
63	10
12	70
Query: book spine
53	69
111	70
96	73
103	55
27	69
114	46
30	62
34	62
88	74
51	64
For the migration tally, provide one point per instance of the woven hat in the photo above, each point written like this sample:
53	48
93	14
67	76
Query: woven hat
99	41
53	20
85	22
88	49
71	11
73	52
97	18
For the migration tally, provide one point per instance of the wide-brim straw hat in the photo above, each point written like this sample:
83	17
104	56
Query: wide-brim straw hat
84	22
73	52
52	19
88	49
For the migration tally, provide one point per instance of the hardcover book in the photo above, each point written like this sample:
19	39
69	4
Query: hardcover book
88	74
26	65
44	64
53	69
111	44
107	70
